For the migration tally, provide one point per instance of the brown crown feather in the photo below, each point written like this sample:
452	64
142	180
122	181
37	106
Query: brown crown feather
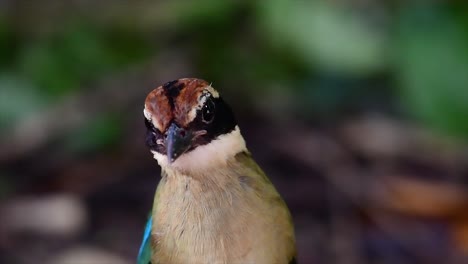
173	101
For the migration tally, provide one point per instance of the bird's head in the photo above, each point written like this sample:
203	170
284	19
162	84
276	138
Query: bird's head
190	127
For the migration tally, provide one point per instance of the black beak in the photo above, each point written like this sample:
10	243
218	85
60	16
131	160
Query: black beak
178	141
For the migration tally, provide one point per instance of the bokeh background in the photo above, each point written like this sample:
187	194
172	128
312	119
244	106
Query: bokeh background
357	110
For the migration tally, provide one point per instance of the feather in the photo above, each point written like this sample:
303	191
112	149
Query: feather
231	214
144	255
214	204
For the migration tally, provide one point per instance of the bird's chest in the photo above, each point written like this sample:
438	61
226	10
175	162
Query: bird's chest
194	224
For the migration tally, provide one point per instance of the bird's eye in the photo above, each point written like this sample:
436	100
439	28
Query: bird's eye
208	111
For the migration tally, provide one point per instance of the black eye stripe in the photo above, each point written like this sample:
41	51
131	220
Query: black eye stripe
208	111
152	137
150	126
222	122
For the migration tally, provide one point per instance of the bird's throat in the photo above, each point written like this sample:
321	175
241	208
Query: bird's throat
206	158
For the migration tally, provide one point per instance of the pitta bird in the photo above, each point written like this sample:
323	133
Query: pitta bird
214	204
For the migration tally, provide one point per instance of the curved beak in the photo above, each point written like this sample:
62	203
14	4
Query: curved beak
178	141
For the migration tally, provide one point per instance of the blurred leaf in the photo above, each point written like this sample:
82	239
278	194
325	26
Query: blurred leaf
324	35
7	43
432	66
17	100
62	62
128	47
202	11
103	131
42	65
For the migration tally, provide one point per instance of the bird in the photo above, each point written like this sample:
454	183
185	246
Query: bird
213	203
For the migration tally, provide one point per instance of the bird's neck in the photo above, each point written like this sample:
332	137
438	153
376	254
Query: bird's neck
221	216
193	214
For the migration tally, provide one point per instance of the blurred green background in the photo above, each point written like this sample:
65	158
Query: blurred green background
357	110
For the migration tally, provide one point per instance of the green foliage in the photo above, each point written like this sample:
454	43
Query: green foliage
189	14
324	35
7	43
66	60
432	66
18	98
324	57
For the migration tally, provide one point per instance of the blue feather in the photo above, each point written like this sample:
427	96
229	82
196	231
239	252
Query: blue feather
144	254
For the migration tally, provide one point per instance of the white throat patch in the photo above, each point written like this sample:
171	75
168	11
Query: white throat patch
215	153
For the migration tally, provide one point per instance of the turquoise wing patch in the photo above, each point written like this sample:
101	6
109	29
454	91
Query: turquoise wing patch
144	255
